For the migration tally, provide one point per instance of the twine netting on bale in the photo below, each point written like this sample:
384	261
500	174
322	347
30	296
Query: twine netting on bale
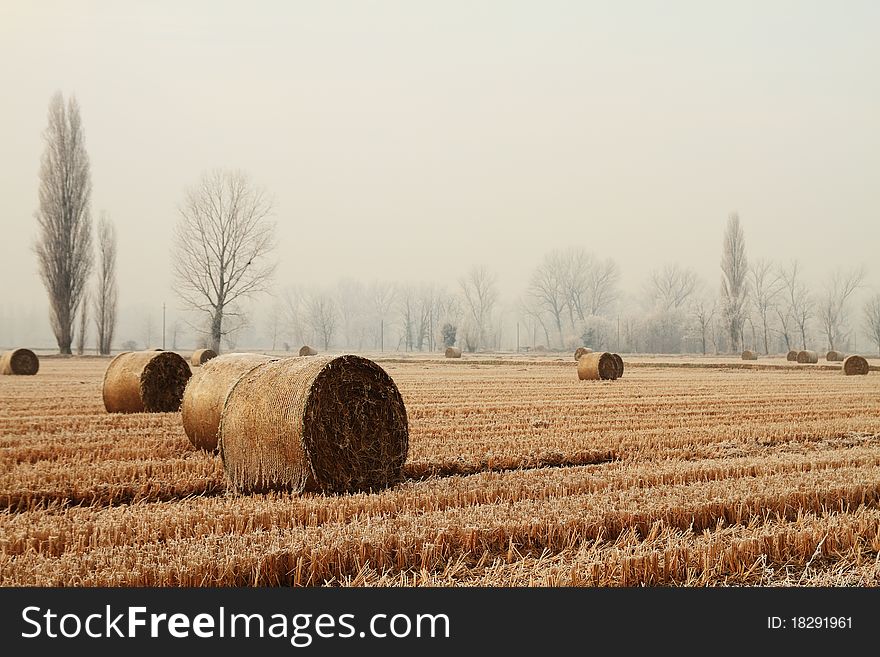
792	355
580	351
597	365
206	391
333	424
202	356
748	354
453	352
145	381
19	361
835	356
854	365
806	356
306	350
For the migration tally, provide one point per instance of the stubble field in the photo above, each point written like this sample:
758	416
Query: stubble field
702	473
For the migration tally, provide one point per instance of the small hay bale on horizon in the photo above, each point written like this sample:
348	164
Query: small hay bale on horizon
792	355
835	356
855	365
748	354
306	350
202	356
206	391
807	356
332	424
453	352
145	382
580	351
597	365
23	362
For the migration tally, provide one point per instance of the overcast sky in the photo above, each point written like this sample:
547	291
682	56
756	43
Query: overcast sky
409	140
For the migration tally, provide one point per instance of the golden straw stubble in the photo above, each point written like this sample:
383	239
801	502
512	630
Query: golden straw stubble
206	391
20	362
145	381
332	424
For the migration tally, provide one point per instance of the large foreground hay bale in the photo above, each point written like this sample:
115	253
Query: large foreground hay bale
748	354
202	356
306	350
619	362
835	356
332	424
806	356
206	391
145	381
597	365
19	361
453	352
580	351
792	355
855	365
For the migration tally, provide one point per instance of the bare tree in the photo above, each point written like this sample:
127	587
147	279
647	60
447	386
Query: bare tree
382	297
321	315
295	302
800	302
408	308
83	324
602	281
764	286
704	312
106	300
480	296
223	240
550	290
670	287
734	290
872	320
64	244
832	304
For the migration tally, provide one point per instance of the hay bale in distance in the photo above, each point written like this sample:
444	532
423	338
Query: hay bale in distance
748	354
19	362
202	356
806	356
835	356
332	424
145	381
453	352
792	355
855	365
580	351
597	365
306	350
206	391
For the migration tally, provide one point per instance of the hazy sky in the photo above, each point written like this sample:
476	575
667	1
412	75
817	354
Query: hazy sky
410	140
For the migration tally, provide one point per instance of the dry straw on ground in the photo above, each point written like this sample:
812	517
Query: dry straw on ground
855	365
748	354
206	391
306	350
19	361
792	355
202	356
145	381
453	352
806	356
835	356
332	424
598	365
580	351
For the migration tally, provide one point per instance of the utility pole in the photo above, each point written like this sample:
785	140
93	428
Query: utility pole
163	325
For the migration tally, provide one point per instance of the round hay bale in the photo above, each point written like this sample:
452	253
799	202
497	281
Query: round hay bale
748	354
854	365
597	365
453	352
806	356
206	391
332	424
618	361
835	356
202	356
580	351
791	355
306	350
19	361
145	381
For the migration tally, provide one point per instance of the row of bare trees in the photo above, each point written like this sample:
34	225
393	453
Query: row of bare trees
64	245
